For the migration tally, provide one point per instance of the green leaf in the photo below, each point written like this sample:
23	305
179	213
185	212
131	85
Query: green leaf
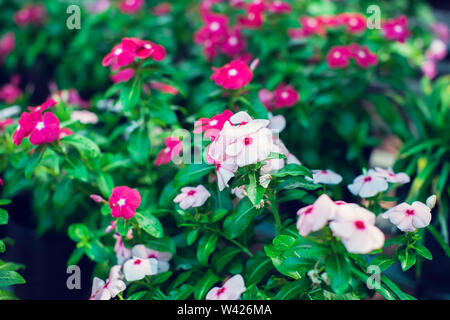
85	146
206	246
191	236
161	277
439	239
11	266
338	271
7	295
222	257
34	160
255	192
296	182
191	173
257	269
76	256
407	259
204	284
293	290
238	221
8	278
139	145
5	202
129	95
164	244
150	224
3	216
105	184
97	251
137	295
383	261
424	252
2	246
181	293
79	232
292	169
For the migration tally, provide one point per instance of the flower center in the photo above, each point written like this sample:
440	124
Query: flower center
213	122
118	51
324	172
191	193
398	29
362	54
284	95
309	210
214	26
360	225
251	16
367	179
220	291
337	55
247	141
148	46
232	72
410	212
121	202
232	41
137	261
40	125
353	22
312	23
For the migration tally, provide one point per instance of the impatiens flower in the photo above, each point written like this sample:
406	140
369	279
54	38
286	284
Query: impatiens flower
124	201
30	14
325	177
65	132
45	130
266	98
233	75
338	57
231	289
396	29
192	197
407	217
98	6
102	290
138	268
356	228
10	93
163	258
285	96
312	26
7	44
131	6
174	147
437	50
354	22
213	126
368	185
315	216
363	56
391	176
123	75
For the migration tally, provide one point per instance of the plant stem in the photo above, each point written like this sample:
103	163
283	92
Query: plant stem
276	214
231	240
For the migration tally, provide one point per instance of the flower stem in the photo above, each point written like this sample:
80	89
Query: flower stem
231	240
276	214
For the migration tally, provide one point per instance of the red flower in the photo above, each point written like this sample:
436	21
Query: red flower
338	57
212	126
173	148
45	130
363	56
144	48
123	75
124	201
131	6
355	22
279	7
285	96
396	29
233	75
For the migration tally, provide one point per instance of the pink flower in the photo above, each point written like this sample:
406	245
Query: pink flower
123	75
330	21
122	252
254	16
285	96
234	43
97	198
233	75
326	177
118	57
7	44
1	183
144	48
213	126
429	69
277	123
65	132
354	22
98	6
46	105
391	176
162	9
231	289
131	6
225	171
266	98
338	57
163	258
23	129
138	268
315	216
174	147
102	290
192	197
279	7
10	92
441	31
356	228
407	217
312	26
437	50
368	185
30	14
84	116
396	29
45	130
4	123
163	87
363	56
124	201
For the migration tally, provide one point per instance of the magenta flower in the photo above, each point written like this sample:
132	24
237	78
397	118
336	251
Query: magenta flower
234	42
338	57
363	56
354	22
396	29
144	48
285	96
131	6
7	44
118	57
5	122
10	92
30	14
233	75
279	7
213	126
254	16
45	130
124	201
123	75
174	147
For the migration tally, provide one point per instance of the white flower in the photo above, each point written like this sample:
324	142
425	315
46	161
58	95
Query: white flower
368	185
137	268
163	258
391	176
225	171
102	290
84	116
277	123
239	192
356	228
409	217
325	177
231	289
314	276
315	216
192	197
431	201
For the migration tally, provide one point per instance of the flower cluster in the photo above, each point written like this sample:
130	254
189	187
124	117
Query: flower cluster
339	56
126	52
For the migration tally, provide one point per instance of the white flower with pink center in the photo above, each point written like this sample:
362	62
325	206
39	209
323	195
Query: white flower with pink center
231	289
138	268
368	185
225	171
315	216
407	217
356	228
192	197
325	177
391	176
163	258
102	290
